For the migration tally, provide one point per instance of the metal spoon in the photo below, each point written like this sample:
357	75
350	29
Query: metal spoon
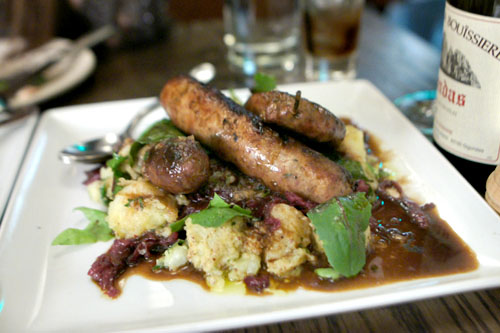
101	149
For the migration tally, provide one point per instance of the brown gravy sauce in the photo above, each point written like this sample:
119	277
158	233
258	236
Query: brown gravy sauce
399	251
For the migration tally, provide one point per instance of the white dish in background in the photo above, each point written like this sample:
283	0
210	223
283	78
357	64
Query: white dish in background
46	288
14	139
75	71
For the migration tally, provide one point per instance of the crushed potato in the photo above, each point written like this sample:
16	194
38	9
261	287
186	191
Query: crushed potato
174	257
224	252
140	207
287	248
354	147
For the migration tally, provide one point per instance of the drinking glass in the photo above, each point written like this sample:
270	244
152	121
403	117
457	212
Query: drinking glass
262	34
331	30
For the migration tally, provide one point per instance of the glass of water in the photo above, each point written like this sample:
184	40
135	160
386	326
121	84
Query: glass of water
262	34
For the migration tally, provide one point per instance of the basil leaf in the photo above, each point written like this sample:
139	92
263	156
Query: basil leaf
216	214
354	168
263	83
72	236
93	214
341	224
327	273
159	131
218	202
97	230
215	217
178	225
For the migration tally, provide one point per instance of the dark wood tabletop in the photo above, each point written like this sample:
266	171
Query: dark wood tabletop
396	61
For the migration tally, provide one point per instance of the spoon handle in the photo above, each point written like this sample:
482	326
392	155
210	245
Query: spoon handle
138	117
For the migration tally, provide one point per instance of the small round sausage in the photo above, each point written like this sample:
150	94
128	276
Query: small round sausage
177	165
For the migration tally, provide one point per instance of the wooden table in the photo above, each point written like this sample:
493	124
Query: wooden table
396	61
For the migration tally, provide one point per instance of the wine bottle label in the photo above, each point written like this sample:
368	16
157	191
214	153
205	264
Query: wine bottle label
467	118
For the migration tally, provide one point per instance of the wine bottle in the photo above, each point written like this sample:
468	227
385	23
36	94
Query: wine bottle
467	107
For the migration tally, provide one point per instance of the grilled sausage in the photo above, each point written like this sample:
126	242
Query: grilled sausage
239	136
178	165
297	114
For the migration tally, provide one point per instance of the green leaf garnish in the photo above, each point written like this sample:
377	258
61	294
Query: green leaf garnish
178	225
216	214
340	225
117	189
134	150
134	202
263	82
97	230
327	273
114	163
104	196
160	130
353	167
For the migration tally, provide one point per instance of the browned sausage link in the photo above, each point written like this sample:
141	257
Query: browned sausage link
297	114
238	136
178	165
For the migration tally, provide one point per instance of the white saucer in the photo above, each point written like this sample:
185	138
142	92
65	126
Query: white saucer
82	66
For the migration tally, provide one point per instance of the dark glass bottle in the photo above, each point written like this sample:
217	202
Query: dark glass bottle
481	7
467	121
475	173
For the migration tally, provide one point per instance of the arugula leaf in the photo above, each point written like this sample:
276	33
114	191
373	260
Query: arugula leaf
114	163
353	167
117	189
97	230
263	82
327	273
159	131
178	225
134	150
216	214
341	224
104	196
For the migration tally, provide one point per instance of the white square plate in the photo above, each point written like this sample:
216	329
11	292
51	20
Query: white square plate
46	288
